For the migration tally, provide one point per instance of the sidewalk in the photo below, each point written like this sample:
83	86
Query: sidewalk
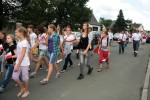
146	87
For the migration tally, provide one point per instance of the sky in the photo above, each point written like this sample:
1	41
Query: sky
137	10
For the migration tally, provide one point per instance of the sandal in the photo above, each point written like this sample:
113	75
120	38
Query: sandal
20	93
100	70
44	82
25	94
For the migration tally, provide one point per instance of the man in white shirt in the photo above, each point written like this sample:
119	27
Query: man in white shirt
136	41
121	41
33	40
110	34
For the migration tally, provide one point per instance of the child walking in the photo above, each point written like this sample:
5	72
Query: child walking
54	46
22	63
104	50
10	58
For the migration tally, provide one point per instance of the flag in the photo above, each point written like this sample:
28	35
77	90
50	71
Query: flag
8	55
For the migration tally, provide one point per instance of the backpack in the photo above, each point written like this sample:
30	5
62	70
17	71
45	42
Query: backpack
107	41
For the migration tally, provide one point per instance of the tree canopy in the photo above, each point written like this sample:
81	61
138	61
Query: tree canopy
120	22
72	12
105	22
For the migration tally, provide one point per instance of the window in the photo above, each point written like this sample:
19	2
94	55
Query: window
95	28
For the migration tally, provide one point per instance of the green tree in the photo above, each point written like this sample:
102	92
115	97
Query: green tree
105	22
73	12
120	22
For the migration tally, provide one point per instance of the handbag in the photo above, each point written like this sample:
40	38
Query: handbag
35	51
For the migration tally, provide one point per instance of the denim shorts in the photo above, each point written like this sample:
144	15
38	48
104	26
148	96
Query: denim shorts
42	53
52	58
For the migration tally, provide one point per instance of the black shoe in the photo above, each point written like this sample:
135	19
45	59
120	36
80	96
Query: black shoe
90	71
135	54
80	77
70	65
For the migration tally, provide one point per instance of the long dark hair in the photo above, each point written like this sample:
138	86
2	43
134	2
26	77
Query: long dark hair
61	30
87	31
41	29
4	33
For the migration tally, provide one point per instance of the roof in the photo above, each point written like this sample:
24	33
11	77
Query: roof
112	24
93	21
135	25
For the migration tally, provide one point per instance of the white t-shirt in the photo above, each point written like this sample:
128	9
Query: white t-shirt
104	44
33	36
122	37
20	45
42	38
136	36
61	38
70	39
110	35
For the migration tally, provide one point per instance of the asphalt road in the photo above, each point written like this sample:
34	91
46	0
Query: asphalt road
123	81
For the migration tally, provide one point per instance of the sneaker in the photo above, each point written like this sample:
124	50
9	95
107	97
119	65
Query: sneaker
78	64
57	75
44	81
80	77
33	74
1	90
90	71
58	61
70	65
62	71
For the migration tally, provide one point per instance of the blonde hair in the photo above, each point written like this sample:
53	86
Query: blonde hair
23	31
12	36
52	26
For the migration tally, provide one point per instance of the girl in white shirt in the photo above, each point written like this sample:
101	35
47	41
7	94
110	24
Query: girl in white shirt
33	40
22	63
69	39
42	38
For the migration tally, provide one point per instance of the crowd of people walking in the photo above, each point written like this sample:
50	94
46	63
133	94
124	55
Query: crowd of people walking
53	44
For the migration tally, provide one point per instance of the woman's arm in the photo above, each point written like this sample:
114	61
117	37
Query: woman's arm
44	43
14	56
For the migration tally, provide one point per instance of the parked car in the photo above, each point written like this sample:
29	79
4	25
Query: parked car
77	35
96	36
116	36
148	39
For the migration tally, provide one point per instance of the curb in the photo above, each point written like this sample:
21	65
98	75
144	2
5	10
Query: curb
146	83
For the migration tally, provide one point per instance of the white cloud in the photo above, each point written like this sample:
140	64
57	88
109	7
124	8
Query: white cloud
110	10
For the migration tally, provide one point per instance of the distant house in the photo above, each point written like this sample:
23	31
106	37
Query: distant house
137	26
112	24
94	24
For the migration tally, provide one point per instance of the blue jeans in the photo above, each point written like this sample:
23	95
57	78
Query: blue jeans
121	48
84	60
8	75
